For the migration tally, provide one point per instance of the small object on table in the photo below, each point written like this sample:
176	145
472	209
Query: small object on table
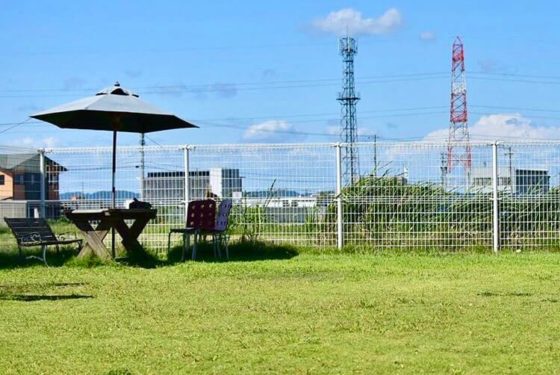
139	204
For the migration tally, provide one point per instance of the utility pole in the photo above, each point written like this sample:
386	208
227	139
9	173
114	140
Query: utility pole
443	168
509	154
375	155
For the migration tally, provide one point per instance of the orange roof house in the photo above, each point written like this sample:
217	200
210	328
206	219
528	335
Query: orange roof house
20	177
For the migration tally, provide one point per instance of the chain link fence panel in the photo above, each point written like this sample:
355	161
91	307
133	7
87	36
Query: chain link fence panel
406	195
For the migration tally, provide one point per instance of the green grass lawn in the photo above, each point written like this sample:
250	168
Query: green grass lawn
353	313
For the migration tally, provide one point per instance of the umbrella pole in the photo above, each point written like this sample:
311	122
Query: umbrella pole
113	191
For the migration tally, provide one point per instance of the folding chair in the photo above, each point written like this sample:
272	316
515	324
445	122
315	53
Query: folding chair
201	215
219	234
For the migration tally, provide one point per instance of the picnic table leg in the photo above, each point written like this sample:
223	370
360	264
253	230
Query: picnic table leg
137	227
94	245
129	235
94	239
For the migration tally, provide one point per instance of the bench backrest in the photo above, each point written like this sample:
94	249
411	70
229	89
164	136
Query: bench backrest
30	230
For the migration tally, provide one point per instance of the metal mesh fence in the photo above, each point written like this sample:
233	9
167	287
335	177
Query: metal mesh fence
280	192
529	206
82	180
407	195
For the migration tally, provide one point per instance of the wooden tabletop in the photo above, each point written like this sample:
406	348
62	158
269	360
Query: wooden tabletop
122	213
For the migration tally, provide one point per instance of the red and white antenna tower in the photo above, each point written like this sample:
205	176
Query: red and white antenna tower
458	145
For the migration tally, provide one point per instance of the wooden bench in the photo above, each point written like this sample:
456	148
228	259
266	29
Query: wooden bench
37	232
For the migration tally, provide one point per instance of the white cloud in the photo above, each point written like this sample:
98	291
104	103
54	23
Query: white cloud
503	126
26	142
49	142
333	130
427	36
351	22
272	131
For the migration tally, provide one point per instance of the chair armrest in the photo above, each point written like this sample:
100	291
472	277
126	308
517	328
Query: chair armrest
67	236
30	238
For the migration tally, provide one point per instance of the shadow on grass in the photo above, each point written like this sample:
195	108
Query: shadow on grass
30	292
238	251
68	257
12	259
505	294
41	297
140	258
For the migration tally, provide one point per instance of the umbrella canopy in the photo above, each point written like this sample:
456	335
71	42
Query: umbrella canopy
112	109
115	109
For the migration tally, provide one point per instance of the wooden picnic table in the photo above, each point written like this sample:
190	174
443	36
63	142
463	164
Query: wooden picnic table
106	220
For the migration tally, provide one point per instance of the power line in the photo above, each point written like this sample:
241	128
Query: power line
150	51
309	118
199	88
521	75
14	126
220	86
518	80
517	108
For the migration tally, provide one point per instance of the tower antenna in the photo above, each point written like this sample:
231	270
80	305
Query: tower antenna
458	145
348	99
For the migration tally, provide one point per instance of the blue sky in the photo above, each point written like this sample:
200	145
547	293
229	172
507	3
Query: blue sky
262	71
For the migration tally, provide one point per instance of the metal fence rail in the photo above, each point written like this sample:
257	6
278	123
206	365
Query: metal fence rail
407	195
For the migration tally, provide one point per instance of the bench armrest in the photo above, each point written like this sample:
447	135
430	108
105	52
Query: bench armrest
30	238
67	236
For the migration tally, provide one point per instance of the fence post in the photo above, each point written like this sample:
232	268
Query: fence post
186	166
339	214
495	207
42	182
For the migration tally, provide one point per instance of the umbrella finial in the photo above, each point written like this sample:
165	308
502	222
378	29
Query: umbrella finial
116	89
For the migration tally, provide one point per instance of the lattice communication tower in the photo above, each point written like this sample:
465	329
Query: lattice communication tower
348	99
458	146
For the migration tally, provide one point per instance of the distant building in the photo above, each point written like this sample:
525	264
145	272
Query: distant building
20	177
281	202
221	182
514	180
225	182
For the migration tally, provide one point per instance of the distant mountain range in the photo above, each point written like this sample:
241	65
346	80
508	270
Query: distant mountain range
100	195
124	195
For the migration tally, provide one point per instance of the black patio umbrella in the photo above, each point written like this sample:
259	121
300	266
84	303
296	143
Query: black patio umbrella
115	109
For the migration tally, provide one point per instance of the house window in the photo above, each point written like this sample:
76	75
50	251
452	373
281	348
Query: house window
2	179
19	179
